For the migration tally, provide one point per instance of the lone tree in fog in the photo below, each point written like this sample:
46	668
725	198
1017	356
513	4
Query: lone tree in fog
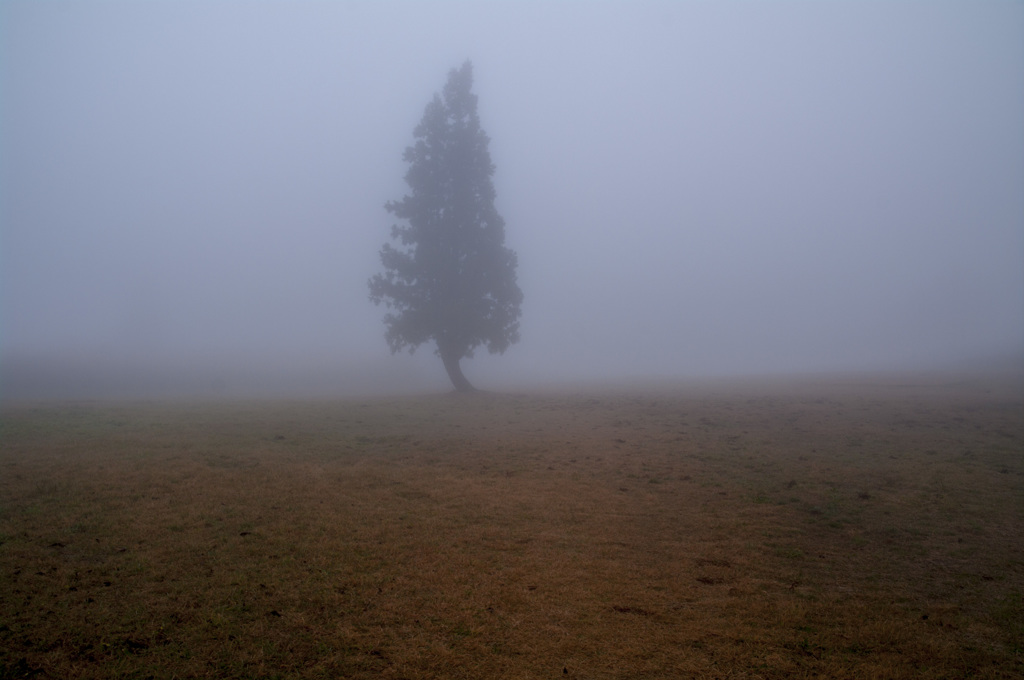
450	279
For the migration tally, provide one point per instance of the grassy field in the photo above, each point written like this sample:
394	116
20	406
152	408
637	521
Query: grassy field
833	528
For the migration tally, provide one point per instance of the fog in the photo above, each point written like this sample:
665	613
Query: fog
191	194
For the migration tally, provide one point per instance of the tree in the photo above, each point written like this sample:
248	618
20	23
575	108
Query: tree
450	279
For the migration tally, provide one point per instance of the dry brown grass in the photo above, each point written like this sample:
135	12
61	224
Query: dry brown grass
837	529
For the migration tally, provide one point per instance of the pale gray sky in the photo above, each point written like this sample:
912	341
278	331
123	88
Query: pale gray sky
692	187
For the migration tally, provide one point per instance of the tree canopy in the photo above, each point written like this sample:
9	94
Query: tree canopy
449	278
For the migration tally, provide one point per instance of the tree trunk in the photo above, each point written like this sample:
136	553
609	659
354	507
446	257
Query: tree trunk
451	364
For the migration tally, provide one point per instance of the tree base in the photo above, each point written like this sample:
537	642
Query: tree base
455	374
451	366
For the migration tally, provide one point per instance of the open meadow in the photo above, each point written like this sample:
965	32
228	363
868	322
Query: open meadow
843	528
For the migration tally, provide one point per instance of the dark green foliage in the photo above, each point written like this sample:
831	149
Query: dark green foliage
449	278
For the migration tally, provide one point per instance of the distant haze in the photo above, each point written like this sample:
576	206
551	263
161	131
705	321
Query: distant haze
191	194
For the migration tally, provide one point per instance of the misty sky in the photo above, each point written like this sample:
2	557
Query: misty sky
692	187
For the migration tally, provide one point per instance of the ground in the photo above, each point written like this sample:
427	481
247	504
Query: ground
846	528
